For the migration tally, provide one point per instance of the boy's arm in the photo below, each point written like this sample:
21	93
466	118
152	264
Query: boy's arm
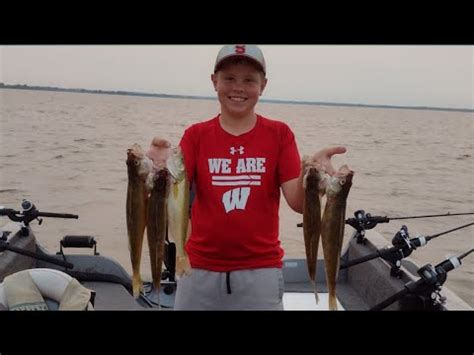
294	193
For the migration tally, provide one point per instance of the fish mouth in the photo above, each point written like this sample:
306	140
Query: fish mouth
344	171
324	177
329	183
135	151
146	166
336	182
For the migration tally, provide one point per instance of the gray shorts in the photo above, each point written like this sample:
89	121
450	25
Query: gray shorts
256	289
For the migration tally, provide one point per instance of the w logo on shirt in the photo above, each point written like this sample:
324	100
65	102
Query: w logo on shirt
236	199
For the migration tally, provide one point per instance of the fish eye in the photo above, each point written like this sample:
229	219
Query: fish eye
342	181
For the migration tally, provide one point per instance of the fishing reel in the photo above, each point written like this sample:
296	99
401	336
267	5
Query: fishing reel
28	213
426	294
169	259
404	247
426	290
362	222
168	276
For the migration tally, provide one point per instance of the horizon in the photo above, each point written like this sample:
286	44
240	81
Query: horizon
171	95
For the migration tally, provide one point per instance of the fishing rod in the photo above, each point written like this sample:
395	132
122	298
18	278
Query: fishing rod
364	221
28	213
427	288
402	247
4	245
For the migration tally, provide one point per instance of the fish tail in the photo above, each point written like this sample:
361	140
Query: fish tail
332	302
156	228
155	273
316	296
137	285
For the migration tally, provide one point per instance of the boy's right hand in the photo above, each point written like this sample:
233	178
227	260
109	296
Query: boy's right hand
159	151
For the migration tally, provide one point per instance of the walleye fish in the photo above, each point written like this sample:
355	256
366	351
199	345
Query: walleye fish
312	221
138	168
157	183
332	228
178	208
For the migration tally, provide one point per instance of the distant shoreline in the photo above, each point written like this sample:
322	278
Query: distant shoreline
168	96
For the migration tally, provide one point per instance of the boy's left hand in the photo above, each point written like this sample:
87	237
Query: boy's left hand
322	158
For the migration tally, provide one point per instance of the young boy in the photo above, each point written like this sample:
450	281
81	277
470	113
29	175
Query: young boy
238	162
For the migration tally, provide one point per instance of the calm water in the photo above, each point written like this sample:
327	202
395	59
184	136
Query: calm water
66	152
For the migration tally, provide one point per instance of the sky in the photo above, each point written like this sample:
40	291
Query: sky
408	75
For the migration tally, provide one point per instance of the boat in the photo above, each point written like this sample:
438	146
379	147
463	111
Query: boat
369	285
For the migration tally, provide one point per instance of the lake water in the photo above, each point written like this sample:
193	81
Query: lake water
66	152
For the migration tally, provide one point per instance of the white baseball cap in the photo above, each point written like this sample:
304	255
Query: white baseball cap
240	50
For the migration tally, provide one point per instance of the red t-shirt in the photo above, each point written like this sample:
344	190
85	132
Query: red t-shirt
234	214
